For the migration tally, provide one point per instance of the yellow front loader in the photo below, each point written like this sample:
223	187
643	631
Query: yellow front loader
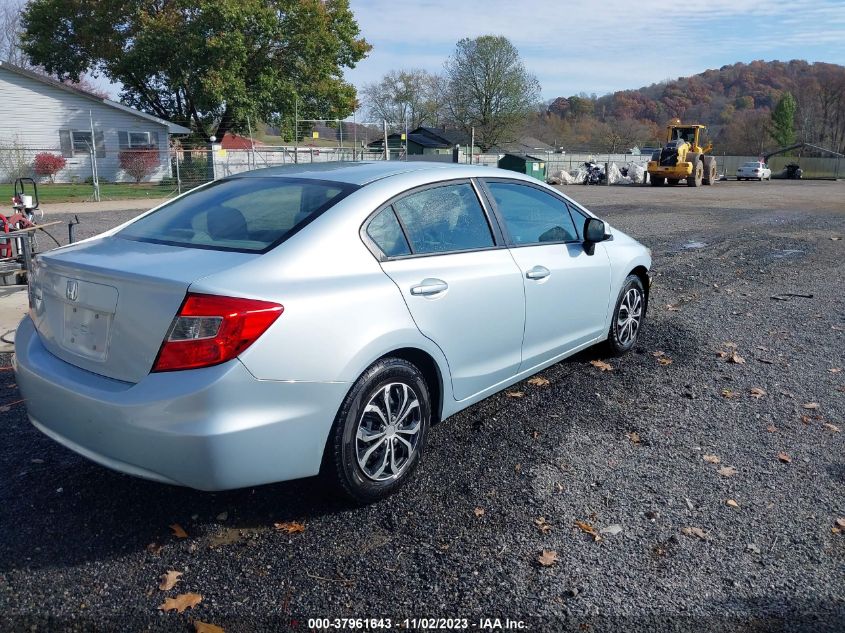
683	158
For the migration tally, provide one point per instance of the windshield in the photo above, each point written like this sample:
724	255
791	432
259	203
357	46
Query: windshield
241	214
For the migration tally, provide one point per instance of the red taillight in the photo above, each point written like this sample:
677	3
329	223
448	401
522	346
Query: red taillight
210	330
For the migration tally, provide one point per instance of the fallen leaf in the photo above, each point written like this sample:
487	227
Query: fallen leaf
835	370
547	558
291	527
722	353
633	436
613	530
772	428
736	358
732	503
806	419
479	511
664	360
544	526
539	381
831	427
169	580
558	487
729	394
694	531
658	354
600	364
518	468
835	238
672	308
589	529
181	602
727	471
535	434
154	549
515	394
841	523
730	344
205	627
711	459
229	536
222	516
786	459
178	531
757	392
811	405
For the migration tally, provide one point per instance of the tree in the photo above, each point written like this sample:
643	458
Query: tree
489	89
139	163
48	165
207	64
10	34
404	99
783	121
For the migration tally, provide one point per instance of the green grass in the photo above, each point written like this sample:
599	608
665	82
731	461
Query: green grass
84	192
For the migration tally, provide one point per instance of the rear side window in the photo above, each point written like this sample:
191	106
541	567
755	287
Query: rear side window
444	219
242	214
532	216
385	231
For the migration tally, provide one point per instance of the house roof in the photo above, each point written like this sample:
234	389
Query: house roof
173	128
448	138
236	141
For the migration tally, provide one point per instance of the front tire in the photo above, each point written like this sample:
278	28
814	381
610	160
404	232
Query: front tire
379	432
628	316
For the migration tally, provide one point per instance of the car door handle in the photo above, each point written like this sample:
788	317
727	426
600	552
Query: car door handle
538	272
429	287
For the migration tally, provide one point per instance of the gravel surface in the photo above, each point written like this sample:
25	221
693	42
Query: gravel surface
82	548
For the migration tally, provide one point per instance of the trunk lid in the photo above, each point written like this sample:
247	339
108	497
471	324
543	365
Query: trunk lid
105	305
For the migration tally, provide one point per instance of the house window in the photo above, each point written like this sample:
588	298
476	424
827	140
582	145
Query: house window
139	140
81	142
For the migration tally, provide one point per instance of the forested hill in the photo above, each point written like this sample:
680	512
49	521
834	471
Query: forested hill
730	99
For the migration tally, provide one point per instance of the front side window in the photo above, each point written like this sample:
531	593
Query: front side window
532	216
242	214
139	140
82	143
444	219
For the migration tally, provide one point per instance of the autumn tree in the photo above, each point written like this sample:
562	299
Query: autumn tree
783	121
207	64
404	98
489	89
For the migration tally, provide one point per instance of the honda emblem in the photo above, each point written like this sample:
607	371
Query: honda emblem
72	290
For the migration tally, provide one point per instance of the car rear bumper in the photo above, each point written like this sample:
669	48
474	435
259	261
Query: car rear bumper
216	428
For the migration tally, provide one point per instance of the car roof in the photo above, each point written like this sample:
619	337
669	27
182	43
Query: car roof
356	172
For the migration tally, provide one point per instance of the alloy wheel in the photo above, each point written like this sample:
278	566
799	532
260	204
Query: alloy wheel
628	317
388	432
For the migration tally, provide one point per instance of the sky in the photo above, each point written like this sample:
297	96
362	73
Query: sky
596	46
604	45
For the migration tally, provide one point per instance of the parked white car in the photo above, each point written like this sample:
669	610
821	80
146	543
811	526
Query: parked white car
754	170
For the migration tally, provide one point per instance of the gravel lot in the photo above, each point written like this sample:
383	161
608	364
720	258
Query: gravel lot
82	548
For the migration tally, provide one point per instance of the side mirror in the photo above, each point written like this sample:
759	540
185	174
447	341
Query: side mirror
594	230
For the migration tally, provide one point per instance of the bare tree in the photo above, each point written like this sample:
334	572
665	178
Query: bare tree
404	98
10	34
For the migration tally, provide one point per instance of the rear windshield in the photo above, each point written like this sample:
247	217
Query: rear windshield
753	165
241	214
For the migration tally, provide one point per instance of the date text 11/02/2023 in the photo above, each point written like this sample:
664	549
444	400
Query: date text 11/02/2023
430	624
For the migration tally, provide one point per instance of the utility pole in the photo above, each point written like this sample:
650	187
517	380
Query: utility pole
471	145
386	148
295	130
354	135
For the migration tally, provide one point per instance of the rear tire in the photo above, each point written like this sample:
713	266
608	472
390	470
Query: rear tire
657	181
379	433
711	171
672	181
697	176
628	317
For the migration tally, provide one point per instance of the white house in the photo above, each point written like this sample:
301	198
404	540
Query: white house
39	114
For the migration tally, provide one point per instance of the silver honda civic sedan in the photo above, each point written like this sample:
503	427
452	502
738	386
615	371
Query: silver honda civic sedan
305	320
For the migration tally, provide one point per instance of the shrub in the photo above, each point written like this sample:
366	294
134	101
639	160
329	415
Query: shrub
47	164
138	163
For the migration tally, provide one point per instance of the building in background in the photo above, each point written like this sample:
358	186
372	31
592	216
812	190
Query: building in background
40	114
